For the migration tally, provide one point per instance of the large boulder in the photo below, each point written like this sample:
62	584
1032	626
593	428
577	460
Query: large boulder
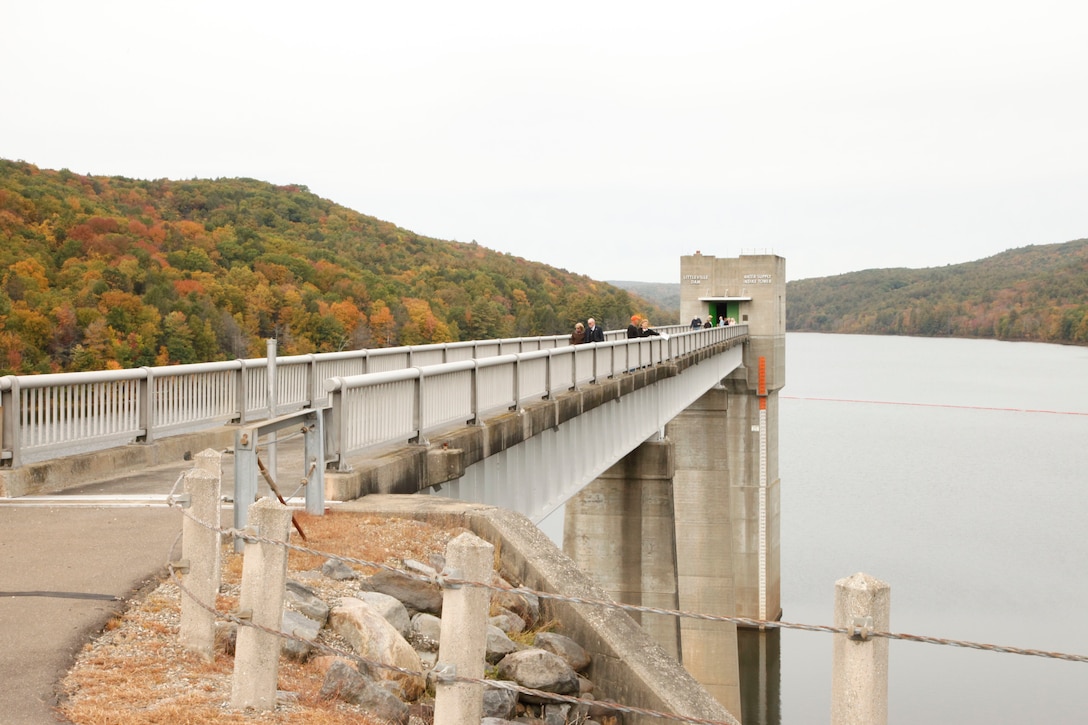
500	702
391	608
303	600
426	631
525	604
417	594
344	682
302	633
376	639
575	655
539	669
498	645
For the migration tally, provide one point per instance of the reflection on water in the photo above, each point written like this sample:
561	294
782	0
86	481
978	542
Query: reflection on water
760	675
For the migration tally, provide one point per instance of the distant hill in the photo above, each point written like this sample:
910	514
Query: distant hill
664	294
99	272
1037	293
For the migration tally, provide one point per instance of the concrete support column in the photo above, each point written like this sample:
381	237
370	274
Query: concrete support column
619	529
705	544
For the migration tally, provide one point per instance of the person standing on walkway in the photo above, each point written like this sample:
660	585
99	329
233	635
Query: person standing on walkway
632	329
579	334
593	333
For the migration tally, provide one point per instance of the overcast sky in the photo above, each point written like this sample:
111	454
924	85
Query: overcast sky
605	138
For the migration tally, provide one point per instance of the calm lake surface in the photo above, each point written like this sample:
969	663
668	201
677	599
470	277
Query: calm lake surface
957	472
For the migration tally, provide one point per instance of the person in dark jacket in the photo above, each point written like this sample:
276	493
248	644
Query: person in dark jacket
632	329
593	333
579	335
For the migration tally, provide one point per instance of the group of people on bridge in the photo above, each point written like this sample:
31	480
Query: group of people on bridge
696	323
589	332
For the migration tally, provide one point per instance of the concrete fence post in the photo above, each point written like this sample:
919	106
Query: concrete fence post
859	676
211	460
199	564
463	639
264	577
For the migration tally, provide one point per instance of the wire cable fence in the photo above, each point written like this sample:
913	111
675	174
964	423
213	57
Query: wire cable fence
445	581
436	675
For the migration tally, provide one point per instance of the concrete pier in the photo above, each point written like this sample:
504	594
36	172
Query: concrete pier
621	528
705	537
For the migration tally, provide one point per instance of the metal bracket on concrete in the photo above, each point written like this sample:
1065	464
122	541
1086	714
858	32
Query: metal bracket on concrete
861	629
247	467
446	575
443	672
180	566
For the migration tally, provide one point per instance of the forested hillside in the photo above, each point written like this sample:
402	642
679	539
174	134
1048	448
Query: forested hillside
1037	293
665	294
111	272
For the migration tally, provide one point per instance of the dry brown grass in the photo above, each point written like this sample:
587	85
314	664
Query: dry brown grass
136	672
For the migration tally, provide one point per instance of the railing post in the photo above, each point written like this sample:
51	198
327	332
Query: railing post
11	404
5	406
264	579
476	392
311	380
245	477
463	638
334	423
517	382
573	370
859	676
548	374
273	406
146	388
313	446
420	438
241	391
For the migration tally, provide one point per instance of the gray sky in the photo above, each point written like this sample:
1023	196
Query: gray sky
605	138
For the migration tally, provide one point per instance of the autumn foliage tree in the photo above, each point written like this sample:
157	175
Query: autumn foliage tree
105	272
1037	293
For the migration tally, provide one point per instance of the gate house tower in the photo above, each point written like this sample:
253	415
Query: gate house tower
725	482
740	422
689	520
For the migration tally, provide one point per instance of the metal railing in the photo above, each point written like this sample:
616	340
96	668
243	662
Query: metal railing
376	410
55	415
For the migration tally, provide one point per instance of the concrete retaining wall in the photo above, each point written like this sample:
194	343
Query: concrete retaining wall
58	474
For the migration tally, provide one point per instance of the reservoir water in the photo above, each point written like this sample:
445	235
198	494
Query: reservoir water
957	472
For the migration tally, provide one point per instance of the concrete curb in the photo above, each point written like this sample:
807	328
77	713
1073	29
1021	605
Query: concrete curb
58	474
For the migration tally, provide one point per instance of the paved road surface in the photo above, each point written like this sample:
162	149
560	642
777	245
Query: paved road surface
67	564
